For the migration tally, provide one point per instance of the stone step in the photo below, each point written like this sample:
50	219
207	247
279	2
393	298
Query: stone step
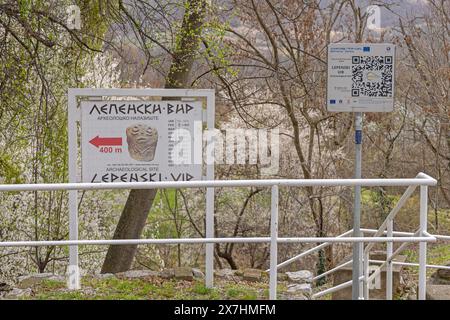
438	292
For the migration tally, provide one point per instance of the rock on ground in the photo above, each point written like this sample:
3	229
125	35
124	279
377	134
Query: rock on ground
167	273
33	279
184	273
253	275
104	276
438	292
225	273
441	276
198	273
444	273
136	274
301	276
297	291
299	288
17	293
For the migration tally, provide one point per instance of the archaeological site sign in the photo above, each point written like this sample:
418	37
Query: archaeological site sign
138	135
141	141
360	77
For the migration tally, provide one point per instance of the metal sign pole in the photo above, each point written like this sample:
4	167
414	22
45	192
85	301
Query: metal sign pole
360	78
357	210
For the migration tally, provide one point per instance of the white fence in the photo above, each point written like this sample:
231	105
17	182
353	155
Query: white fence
380	236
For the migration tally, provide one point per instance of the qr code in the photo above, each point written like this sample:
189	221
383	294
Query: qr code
372	76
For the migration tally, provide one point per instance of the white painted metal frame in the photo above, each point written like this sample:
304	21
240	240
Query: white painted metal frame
421	236
385	228
273	244
423	245
74	117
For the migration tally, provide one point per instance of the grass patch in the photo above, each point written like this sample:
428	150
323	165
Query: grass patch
149	289
69	295
438	254
52	284
241	292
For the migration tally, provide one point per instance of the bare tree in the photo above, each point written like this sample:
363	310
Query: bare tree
139	202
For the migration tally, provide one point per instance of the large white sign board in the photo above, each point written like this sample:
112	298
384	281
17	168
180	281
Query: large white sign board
106	126
360	77
141	141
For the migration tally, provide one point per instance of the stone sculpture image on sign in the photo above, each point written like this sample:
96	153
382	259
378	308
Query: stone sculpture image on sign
142	140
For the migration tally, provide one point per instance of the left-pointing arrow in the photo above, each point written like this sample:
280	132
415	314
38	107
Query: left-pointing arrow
99	141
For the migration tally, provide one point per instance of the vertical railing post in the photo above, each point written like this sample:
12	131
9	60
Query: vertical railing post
273	243
366	276
361	268
423	245
209	247
389	251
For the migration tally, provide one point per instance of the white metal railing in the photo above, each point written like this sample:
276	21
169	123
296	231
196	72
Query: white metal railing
386	228
422	237
364	279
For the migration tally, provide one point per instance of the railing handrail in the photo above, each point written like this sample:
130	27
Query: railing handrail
398	233
387	224
221	183
382	262
409	190
412	264
381	230
42	243
421	179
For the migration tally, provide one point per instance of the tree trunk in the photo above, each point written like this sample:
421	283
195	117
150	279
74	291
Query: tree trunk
139	202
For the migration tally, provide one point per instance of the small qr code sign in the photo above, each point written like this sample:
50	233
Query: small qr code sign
360	77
